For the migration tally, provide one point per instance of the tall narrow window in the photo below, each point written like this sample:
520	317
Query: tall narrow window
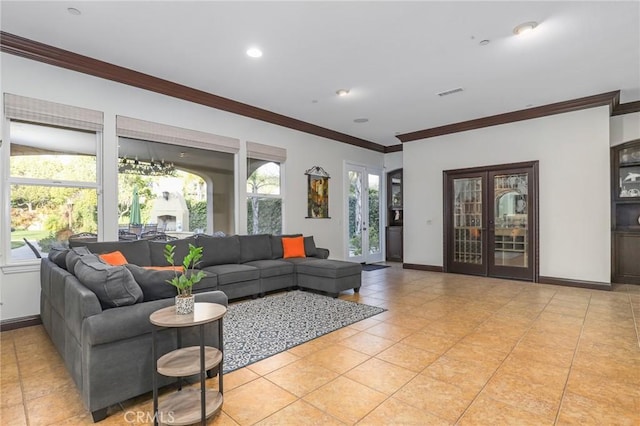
264	195
53	174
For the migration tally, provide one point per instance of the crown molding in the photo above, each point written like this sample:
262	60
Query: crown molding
393	148
610	98
627	108
30	49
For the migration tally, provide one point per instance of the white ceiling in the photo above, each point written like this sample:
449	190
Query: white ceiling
393	56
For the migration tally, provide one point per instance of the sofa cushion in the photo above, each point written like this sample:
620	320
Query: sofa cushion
230	273
73	256
136	252
329	268
254	247
218	250
115	258
113	285
153	283
59	257
276	245
310	247
293	247
272	268
156	250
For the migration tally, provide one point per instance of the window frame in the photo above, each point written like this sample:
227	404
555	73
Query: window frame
8	264
280	196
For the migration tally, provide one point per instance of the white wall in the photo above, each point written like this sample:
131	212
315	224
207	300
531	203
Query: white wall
573	151
393	161
19	292
625	128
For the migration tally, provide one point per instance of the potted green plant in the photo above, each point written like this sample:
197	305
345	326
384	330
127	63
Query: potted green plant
184	281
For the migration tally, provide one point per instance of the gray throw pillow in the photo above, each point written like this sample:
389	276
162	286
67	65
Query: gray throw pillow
310	247
114	285
59	257
73	256
153	282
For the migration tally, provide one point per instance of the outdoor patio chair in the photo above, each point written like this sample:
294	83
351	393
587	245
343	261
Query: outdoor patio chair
33	248
127	236
161	236
84	236
135	229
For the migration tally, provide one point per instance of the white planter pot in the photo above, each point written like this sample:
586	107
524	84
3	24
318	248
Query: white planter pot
184	305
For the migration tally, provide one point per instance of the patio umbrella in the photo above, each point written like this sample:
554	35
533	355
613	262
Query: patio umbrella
134	217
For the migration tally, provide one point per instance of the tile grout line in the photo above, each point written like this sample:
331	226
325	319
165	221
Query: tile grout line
22	393
575	352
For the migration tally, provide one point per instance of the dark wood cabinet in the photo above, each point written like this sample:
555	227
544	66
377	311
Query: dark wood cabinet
394	243
395	214
625	213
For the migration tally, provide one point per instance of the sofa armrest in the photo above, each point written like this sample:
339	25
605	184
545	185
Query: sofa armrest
322	253
80	303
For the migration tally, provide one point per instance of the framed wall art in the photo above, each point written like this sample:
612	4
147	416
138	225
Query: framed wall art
317	193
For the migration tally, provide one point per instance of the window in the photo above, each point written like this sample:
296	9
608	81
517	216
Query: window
53	172
264	200
184	179
53	187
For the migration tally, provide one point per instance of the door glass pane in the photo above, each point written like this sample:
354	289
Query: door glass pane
374	214
467	220
355	213
511	220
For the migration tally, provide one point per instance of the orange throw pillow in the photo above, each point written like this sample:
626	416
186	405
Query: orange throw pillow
293	247
165	268
115	258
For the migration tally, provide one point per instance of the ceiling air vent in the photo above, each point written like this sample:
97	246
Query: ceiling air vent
450	91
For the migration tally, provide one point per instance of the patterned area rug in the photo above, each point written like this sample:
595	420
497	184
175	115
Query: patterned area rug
257	329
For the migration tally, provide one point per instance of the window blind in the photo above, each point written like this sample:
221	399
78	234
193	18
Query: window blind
45	112
156	132
259	151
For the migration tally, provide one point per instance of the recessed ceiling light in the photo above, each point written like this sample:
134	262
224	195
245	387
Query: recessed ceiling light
525	28
342	92
74	11
484	42
360	120
254	52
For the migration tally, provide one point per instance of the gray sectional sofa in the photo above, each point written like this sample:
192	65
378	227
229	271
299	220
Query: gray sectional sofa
97	315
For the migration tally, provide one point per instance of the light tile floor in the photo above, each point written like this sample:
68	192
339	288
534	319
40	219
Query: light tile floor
450	349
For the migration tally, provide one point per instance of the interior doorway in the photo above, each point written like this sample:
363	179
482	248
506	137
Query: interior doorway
491	221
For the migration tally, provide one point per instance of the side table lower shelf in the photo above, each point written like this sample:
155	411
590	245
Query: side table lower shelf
186	361
183	407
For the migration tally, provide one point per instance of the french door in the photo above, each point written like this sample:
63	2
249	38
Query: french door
363	217
491	221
